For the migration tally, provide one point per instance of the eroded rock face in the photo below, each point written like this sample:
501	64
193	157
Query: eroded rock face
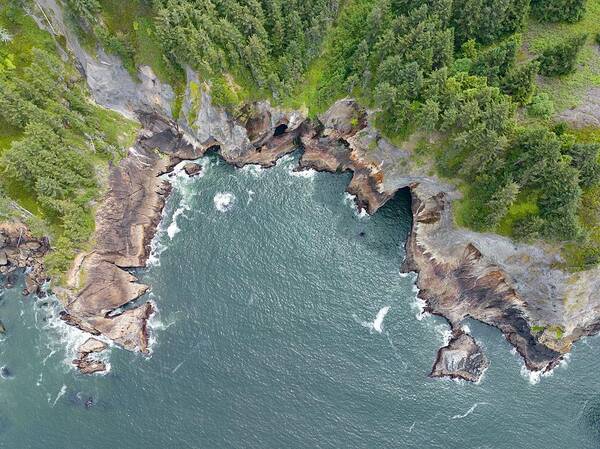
460	273
89	346
125	224
462	358
109	82
19	250
129	214
84	362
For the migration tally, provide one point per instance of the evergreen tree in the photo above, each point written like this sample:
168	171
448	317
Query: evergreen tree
560	59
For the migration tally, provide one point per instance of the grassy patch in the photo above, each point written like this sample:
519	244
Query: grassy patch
306	95
525	205
567	91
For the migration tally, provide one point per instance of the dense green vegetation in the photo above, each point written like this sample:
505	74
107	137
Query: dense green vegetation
476	81
54	139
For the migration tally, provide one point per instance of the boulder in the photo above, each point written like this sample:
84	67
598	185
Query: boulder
89	366
192	169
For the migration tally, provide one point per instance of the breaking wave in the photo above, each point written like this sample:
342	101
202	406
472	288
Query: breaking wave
471	410
253	170
61	339
224	201
350	200
377	324
182	184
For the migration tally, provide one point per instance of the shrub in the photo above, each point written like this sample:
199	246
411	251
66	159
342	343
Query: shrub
558	10
541	106
560	59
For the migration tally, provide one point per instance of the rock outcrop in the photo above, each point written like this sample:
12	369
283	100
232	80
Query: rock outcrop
87	364
462	358
192	169
586	113
20	250
540	308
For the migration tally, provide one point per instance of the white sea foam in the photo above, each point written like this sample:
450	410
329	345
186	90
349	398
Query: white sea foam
60	394
155	324
63	339
250	196
306	174
471	410
420	305
350	200
377	323
444	331
182	184
224	201
177	367
253	170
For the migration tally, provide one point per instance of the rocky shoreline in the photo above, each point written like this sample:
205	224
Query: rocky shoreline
539	308
20	250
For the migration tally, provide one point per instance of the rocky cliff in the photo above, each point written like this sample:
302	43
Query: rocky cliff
517	288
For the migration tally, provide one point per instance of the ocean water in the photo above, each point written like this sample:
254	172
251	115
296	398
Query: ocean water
283	323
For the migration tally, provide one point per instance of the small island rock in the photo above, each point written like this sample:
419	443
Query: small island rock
462	358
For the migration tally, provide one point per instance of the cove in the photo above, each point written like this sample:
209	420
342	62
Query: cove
267	284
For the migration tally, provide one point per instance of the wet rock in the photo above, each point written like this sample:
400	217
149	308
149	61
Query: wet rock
462	358
89	346
192	169
2	328
89	366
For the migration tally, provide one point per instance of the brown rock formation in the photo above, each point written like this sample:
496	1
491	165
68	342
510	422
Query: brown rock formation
461	274
86	364
18	250
128	218
462	358
192	169
89	366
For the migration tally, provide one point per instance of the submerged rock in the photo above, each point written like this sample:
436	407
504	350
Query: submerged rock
462	358
2	328
6	373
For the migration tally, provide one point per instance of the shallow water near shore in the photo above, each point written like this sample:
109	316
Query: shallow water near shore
283	323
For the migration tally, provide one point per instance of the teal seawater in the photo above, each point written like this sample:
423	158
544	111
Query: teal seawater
265	339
